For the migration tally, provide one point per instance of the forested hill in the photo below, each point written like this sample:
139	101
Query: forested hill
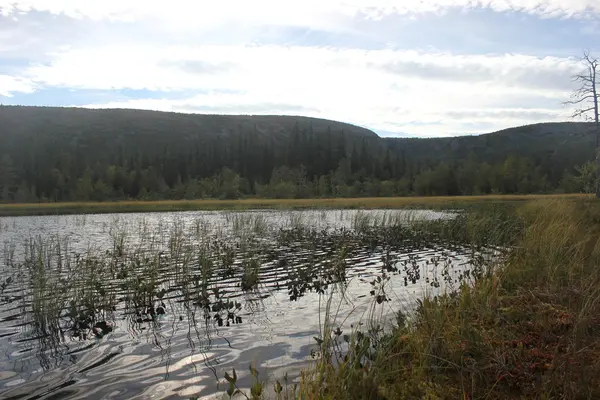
553	148
133	127
62	154
543	141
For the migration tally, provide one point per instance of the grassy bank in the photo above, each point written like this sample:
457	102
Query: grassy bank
245	204
529	328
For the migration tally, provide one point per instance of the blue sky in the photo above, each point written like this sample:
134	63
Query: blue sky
399	67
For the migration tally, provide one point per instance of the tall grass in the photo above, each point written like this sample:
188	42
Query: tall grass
529	328
253	203
244	224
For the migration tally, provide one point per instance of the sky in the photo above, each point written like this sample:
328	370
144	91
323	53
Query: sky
399	67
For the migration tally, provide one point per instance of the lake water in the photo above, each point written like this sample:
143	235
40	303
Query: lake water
161	305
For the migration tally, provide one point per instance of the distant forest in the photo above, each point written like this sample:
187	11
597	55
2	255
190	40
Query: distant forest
53	154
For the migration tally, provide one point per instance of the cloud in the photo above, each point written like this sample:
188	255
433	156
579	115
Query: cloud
542	8
454	121
200	66
211	103
503	114
10	85
510	69
185	14
283	68
296	13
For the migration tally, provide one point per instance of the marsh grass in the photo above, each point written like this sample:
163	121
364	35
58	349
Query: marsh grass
444	202
250	275
528	327
296	220
147	267
80	220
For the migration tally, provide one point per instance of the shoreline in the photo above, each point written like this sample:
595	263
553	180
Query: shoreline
134	206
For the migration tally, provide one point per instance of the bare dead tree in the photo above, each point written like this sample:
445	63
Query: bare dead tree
586	100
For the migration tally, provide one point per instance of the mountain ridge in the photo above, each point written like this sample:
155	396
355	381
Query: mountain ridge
60	154
187	121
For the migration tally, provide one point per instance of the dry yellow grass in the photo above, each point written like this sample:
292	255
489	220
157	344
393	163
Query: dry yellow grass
214	204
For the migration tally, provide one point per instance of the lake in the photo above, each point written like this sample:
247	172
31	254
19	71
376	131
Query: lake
161	305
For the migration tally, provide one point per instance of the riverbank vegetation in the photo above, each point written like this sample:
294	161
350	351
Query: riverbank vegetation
437	202
527	328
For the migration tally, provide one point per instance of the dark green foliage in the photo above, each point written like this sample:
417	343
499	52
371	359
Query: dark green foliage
62	154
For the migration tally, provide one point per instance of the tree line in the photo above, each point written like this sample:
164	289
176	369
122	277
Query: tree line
298	165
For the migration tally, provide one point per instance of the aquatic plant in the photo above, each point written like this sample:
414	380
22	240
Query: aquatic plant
205	281
250	275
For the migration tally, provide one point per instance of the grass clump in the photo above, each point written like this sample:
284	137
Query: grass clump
529	328
250	275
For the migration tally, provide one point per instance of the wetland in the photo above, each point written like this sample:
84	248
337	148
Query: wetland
163	305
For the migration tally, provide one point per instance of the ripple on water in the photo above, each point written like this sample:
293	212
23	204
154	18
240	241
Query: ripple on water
135	344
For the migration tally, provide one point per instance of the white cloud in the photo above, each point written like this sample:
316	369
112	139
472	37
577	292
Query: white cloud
211	104
513	70
305	13
10	85
185	14
544	8
280	69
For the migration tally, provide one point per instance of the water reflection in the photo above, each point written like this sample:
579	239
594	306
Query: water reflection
167	303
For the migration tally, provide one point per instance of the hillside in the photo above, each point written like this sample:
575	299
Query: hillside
92	127
59	154
555	146
537	140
